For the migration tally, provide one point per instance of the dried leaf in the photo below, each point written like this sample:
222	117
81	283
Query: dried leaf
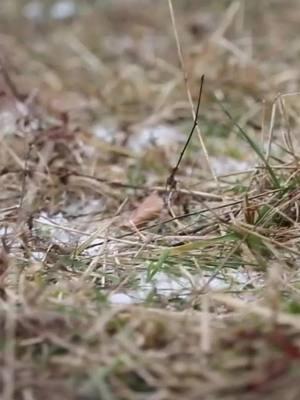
148	210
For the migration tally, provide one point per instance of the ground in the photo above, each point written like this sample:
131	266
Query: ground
126	271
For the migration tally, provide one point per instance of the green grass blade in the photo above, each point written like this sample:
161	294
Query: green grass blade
254	146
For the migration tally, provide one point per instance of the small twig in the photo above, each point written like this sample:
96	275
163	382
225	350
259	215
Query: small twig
93	182
171	181
188	91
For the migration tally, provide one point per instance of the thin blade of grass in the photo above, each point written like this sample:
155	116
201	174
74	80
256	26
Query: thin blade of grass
253	145
200	244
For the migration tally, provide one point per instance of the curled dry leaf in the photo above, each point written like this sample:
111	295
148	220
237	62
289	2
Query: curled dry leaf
148	210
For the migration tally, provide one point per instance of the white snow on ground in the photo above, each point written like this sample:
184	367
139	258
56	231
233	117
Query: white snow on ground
60	10
34	10
166	286
163	284
160	135
226	165
63	9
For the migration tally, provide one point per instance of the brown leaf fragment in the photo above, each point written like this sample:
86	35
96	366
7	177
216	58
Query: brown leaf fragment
149	209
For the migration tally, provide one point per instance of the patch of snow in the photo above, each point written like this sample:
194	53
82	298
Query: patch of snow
227	165
5	230
160	135
94	247
120	298
84	207
52	226
102	132
34	10
63	229
13	115
8	122
63	9
167	285
38	255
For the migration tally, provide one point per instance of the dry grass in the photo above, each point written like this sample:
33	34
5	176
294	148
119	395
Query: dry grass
208	276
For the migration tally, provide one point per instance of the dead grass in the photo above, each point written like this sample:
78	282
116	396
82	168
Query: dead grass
207	275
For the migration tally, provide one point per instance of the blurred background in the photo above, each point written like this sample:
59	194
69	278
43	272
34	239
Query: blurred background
113	66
